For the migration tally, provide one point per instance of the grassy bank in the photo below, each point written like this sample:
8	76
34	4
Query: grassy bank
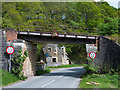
40	72
69	65
103	81
7	78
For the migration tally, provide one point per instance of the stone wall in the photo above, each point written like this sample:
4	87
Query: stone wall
108	55
0	48
5	56
29	67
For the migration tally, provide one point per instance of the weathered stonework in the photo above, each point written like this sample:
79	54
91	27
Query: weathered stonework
108	55
56	55
29	67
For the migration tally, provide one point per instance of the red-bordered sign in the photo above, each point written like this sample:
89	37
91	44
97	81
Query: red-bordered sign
92	55
10	50
54	34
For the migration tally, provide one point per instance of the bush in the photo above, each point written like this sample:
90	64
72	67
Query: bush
18	64
90	67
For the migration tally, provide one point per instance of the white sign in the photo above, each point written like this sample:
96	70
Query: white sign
92	55
10	50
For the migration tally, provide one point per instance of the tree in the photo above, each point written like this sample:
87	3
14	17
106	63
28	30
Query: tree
110	26
89	14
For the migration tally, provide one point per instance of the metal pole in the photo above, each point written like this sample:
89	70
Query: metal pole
10	63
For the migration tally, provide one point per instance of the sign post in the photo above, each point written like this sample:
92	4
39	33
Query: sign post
10	50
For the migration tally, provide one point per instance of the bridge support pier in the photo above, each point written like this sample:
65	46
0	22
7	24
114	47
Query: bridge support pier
29	66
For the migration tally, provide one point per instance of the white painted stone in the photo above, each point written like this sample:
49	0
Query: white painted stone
81	37
34	33
91	37
61	35
46	34
72	36
18	44
23	33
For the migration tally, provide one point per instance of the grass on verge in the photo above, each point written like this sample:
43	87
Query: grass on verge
69	65
105	80
7	78
40	72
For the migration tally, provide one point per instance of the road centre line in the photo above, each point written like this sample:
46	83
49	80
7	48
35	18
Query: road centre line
51	81
60	76
47	83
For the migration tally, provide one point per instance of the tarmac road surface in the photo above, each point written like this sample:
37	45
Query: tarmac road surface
62	78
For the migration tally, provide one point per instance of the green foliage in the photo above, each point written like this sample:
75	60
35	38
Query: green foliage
39	51
7	78
77	54
90	67
110	26
18	64
29	15
105	80
115	37
69	65
40	72
89	13
26	53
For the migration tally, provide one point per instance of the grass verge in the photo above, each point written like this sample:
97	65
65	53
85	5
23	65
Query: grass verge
7	78
104	80
40	72
69	65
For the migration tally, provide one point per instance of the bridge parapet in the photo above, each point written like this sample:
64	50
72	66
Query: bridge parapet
60	29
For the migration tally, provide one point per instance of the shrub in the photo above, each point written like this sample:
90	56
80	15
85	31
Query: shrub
18	64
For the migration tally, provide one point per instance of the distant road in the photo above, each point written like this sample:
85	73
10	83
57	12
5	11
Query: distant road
62	78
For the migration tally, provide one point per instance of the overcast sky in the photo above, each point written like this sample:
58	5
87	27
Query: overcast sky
112	2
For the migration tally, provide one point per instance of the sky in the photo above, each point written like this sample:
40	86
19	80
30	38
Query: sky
113	3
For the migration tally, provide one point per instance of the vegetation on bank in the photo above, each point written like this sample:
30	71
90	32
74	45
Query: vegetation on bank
115	38
41	72
69	65
8	78
17	68
93	78
100	81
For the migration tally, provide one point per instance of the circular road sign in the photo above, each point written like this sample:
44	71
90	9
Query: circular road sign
92	55
54	34
10	50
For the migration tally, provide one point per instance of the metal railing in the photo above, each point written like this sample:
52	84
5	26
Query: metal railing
60	29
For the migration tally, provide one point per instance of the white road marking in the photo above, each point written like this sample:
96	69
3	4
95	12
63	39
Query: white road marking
47	83
51	81
60	76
